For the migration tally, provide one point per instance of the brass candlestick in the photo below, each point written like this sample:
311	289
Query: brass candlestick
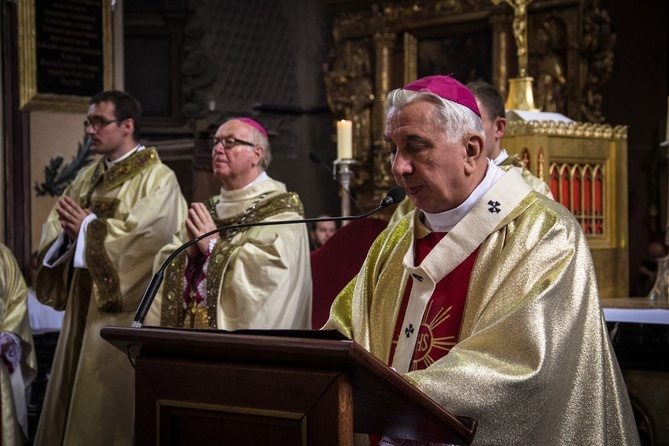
520	94
520	89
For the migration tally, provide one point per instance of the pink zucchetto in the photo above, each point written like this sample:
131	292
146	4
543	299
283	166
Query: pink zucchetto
447	88
253	124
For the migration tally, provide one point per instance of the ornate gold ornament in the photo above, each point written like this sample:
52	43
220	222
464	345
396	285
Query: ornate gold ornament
378	48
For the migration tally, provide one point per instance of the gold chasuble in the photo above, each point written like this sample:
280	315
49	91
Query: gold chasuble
14	320
253	277
533	362
138	206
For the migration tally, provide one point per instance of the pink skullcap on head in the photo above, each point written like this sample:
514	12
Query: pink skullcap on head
253	124
447	88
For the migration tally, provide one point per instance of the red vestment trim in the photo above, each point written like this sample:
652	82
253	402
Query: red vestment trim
441	322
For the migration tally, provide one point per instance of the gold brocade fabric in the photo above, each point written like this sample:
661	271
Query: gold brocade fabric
534	364
14	319
260	278
535	182
138	206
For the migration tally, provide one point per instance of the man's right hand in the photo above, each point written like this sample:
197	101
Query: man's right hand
71	215
199	222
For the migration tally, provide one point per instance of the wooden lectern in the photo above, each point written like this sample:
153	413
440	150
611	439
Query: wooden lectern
278	387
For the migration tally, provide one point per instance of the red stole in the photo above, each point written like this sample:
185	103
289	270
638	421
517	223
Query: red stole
440	326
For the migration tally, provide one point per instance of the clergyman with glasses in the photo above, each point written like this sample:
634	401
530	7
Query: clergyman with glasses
96	258
256	277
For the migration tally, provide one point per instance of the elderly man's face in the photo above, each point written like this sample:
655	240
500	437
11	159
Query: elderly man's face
238	166
437	175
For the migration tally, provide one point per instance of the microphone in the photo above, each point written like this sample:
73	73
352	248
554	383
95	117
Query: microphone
394	196
313	156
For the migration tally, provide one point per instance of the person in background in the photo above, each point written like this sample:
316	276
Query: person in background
96	252
485	296
246	277
493	115
647	274
18	365
320	232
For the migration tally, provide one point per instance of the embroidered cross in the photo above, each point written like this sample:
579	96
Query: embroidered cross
494	207
409	330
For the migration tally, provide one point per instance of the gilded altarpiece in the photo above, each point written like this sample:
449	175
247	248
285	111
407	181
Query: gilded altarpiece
381	46
585	165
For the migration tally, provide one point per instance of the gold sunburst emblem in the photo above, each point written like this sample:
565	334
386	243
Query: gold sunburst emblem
427	343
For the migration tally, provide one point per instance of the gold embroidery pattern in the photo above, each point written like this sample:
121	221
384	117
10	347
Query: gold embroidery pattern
273	205
95	177
104	207
126	169
106	283
195	316
171	311
219	258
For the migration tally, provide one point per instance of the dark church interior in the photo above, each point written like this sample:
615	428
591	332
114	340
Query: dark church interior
299	66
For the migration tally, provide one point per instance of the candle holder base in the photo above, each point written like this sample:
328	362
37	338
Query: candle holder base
520	94
344	174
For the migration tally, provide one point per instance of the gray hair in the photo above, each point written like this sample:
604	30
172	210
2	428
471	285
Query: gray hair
456	120
258	139
262	141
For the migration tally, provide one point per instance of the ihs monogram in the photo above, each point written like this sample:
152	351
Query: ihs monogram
427	343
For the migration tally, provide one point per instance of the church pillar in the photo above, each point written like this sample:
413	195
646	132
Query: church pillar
504	64
383	44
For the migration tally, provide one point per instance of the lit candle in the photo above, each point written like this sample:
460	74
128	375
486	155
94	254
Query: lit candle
344	139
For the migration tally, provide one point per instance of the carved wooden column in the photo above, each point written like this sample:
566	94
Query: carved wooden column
383	44
410	58
503	62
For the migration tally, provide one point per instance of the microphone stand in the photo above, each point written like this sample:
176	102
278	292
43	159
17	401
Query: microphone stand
395	195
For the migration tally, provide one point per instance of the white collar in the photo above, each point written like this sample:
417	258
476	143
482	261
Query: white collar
262	177
445	221
137	148
501	157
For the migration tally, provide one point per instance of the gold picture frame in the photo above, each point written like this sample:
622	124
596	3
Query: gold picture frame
65	53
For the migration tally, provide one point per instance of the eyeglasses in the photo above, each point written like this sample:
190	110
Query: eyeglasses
229	143
98	122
